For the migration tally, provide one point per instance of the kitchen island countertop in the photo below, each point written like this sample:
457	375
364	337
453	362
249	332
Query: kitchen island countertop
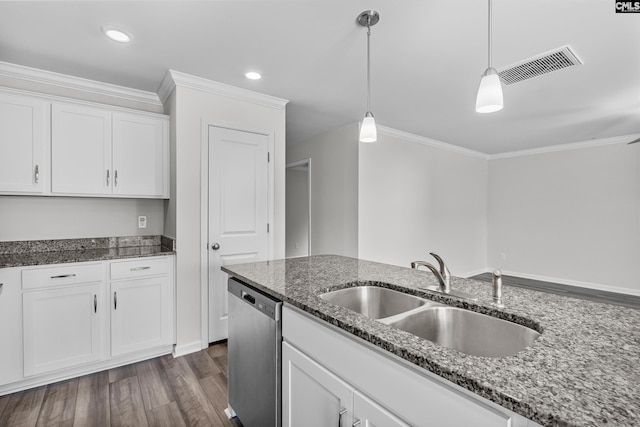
584	370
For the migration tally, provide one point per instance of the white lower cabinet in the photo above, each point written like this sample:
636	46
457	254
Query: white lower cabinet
312	396
10	326
62	328
315	397
325	371
61	321
370	414
141	311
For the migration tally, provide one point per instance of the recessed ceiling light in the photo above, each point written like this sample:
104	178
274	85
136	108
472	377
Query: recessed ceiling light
116	34
253	75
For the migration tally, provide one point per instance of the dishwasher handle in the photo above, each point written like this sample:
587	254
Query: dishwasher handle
248	297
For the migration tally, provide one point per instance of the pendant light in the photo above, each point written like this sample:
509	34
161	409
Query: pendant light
489	97
368	131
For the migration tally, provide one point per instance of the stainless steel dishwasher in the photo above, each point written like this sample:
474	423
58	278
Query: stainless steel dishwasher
254	351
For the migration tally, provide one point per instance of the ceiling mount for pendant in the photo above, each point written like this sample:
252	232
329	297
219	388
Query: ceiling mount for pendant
368	18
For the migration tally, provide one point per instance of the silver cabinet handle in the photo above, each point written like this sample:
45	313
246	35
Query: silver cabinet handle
62	276
107	177
115	300
356	423
340	414
36	175
115	178
215	246
95	303
140	268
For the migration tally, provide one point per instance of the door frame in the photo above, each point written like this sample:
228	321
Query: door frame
204	210
306	162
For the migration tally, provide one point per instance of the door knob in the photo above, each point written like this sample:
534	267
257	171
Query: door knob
215	246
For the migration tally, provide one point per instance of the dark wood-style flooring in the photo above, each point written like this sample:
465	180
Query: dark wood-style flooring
185	391
596	295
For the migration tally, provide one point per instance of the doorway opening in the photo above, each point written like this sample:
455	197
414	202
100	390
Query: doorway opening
298	209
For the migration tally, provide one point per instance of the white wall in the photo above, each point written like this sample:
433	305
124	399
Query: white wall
334	189
297	227
38	217
570	217
189	108
415	199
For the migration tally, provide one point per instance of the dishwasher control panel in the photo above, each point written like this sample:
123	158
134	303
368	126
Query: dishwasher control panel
260	301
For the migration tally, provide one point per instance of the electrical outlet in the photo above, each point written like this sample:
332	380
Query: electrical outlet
503	256
142	221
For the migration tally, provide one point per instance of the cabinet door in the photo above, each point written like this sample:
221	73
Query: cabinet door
141	314
80	150
10	326
311	395
140	163
22	143
371	414
61	328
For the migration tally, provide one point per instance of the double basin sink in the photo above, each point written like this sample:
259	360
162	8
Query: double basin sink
457	328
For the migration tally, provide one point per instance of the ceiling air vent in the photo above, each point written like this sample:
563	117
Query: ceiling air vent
539	65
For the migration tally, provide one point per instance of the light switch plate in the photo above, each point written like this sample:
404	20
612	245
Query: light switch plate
142	221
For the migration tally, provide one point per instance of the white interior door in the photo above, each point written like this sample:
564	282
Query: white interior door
238	212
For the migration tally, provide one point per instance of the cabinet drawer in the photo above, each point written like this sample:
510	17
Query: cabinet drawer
139	268
61	275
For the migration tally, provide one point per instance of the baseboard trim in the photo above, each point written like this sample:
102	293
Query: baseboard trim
473	273
574	283
78	371
184	349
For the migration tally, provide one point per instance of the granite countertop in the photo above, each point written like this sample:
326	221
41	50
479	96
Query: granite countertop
584	370
41	252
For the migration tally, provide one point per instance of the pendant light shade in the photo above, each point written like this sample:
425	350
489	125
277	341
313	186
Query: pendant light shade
489	97
489	93
368	131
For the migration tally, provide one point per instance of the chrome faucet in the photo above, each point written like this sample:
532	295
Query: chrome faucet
497	289
443	275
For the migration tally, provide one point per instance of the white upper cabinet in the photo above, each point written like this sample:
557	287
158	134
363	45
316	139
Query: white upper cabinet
140	155
53	147
98	152
80	150
23	138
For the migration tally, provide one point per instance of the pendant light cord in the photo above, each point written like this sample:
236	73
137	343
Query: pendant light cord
489	42
368	65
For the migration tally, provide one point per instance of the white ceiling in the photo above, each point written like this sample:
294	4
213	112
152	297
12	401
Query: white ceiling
427	58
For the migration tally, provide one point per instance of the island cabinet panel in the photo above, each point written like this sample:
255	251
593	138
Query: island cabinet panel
10	326
370	413
23	139
388	387
312	396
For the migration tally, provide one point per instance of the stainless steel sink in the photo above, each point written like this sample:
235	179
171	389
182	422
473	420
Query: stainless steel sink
466	331
374	301
463	330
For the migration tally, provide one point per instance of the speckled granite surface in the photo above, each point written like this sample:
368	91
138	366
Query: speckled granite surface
40	252
584	370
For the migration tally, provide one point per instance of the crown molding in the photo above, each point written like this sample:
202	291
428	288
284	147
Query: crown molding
175	78
567	147
36	75
430	142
